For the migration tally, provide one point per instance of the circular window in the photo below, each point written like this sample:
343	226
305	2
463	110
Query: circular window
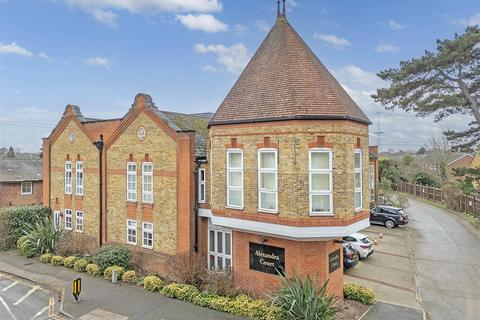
141	133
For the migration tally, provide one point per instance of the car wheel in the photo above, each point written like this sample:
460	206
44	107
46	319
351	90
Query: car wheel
359	256
389	224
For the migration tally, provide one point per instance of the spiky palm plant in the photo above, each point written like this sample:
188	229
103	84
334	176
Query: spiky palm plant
41	237
304	300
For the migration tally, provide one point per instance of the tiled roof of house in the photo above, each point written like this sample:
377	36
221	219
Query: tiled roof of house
285	80
17	170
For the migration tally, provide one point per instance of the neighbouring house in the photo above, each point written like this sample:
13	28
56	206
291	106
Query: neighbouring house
476	159
432	162
461	161
268	183
20	179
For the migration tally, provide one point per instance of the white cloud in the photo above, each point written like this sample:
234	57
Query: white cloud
99	61
262	25
387	48
395	25
332	39
241	30
232	59
355	77
468	22
15	49
204	22
103	10
210	68
45	57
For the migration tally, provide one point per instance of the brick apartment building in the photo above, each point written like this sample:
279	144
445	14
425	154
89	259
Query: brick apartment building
20	180
269	182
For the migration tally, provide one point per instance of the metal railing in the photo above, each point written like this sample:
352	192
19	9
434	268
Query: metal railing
462	203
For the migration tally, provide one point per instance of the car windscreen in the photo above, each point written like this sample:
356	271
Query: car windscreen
401	212
365	240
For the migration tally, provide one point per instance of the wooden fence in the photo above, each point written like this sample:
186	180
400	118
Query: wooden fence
462	203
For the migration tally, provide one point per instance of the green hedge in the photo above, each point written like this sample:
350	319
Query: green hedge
359	293
241	305
116	255
14	219
107	274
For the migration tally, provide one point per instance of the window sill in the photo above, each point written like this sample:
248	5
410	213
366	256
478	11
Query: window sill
317	214
78	231
69	229
267	211
131	244
26	194
235	208
147	205
148	248
357	210
131	203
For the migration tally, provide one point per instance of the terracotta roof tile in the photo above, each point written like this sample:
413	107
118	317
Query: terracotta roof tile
285	80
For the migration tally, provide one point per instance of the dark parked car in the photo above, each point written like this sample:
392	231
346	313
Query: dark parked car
388	216
350	256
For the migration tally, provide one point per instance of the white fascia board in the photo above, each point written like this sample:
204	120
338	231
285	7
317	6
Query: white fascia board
283	231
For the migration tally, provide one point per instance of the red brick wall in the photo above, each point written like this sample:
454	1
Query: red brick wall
301	258
10	194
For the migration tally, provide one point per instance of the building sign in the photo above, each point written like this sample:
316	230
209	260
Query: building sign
267	259
334	261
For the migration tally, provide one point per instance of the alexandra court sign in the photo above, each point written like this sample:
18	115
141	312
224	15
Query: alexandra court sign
267	259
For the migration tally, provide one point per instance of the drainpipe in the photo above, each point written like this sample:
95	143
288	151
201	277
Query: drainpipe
99	144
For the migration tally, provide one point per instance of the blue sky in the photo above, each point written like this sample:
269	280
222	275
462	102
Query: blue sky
188	53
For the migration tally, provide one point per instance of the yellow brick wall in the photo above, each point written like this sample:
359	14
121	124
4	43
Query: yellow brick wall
292	140
161	150
89	155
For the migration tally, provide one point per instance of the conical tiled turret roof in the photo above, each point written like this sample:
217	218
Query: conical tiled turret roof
285	80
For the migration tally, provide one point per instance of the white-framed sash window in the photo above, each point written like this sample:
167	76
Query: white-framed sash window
79	222
320	181
147	235
235	178
202	188
132	232
267	180
56	219
68	177
372	182
358	179
26	187
131	181
147	182
79	178
68	219
219	248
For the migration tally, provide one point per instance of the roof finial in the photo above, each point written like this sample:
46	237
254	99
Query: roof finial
284	14
278	8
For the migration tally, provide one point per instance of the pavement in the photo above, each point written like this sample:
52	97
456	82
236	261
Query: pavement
100	299
21	299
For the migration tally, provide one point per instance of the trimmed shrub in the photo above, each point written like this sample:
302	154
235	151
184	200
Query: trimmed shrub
20	246
107	274
185	292
14	219
358	293
57	260
152	283
41	237
80	265
129	277
140	281
115	255
303	299
46	258
93	270
69	262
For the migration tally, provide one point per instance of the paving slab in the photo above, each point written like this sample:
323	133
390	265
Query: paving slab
384	311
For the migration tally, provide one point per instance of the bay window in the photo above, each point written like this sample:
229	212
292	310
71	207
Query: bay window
267	180
235	178
358	179
147	182
131	181
320	181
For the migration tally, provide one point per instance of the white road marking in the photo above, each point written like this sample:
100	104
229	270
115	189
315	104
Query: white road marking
11	285
26	295
7	308
40	312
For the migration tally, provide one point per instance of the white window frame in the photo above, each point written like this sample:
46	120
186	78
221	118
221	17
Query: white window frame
372	181
143	234
215	253
68	177
134	174
68	216
233	169
56	219
134	228
202	185
328	171
26	183
79	221
268	170
145	174
360	189
79	178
